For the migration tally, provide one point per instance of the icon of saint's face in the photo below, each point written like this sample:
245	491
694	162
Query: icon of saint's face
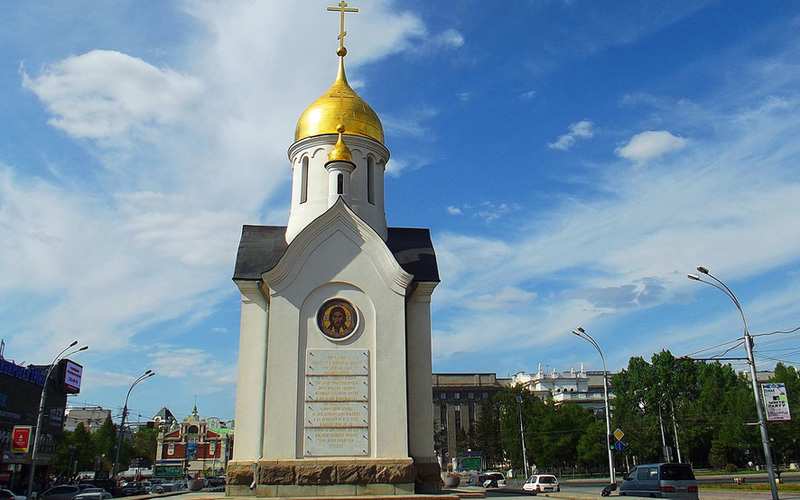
337	318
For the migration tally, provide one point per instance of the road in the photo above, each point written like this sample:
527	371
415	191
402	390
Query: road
580	489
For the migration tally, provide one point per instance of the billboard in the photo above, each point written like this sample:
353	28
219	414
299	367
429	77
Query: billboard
21	438
72	376
776	402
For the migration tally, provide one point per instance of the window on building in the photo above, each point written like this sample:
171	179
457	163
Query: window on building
171	449
443	395
485	395
370	180
456	395
340	184
304	181
471	395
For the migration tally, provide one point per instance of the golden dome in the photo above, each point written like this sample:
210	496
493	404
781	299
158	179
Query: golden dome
340	151
339	105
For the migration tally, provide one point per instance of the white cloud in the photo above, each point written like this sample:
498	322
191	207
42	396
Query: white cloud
505	298
104	94
528	95
580	130
152	238
450	38
489	211
602	260
649	145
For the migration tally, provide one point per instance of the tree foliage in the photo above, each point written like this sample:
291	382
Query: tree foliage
552	432
700	408
80	450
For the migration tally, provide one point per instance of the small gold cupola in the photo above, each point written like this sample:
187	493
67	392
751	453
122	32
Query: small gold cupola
340	151
340	104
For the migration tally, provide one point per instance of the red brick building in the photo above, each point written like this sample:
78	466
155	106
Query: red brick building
197	447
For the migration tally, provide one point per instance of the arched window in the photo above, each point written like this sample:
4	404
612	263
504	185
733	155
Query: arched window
304	181
370	180
339	184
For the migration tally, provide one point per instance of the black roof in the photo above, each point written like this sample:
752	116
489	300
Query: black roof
261	247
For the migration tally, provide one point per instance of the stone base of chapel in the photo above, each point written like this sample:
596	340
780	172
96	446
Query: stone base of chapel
331	478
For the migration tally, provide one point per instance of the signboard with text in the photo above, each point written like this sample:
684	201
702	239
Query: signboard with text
21	438
72	377
776	402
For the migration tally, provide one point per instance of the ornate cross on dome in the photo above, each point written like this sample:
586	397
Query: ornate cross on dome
342	8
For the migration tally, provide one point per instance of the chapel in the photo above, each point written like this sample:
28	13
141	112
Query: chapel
334	381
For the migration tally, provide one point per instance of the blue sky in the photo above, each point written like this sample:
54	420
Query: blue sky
573	159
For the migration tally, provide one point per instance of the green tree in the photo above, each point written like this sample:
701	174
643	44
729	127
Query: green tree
651	403
592	445
144	445
84	452
508	412
487	433
104	440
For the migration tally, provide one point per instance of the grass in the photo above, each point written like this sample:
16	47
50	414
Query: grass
792	488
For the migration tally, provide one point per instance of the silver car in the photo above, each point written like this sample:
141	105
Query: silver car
660	481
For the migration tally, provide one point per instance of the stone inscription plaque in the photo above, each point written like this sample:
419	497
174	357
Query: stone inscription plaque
329	414
326	442
337	362
337	388
336	420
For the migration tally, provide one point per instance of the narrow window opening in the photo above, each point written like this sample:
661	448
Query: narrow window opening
304	181
340	184
370	180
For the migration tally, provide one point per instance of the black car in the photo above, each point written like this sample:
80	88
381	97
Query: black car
136	488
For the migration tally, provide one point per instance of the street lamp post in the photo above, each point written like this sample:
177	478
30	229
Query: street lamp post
147	374
748	345
40	416
580	332
522	435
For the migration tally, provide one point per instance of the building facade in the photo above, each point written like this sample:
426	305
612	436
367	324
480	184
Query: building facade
20	393
457	402
91	417
581	387
195	447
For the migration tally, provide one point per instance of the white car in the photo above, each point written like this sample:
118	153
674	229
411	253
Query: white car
492	480
541	482
93	494
10	495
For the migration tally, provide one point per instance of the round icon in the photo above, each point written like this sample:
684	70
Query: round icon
337	319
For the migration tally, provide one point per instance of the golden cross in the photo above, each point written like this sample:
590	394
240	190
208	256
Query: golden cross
342	8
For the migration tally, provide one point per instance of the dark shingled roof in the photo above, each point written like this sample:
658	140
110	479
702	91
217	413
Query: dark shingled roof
261	247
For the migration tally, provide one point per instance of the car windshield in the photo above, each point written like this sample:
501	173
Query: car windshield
675	472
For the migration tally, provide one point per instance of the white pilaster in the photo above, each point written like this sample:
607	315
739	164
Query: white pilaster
251	383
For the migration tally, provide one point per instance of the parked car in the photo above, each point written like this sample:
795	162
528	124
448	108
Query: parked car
10	495
63	491
137	488
493	480
542	482
93	494
215	481
660	481
480	479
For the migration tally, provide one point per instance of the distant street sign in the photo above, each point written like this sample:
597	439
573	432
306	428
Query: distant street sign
620	446
619	434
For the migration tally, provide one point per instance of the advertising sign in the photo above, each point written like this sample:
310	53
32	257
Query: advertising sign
21	438
72	377
776	402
